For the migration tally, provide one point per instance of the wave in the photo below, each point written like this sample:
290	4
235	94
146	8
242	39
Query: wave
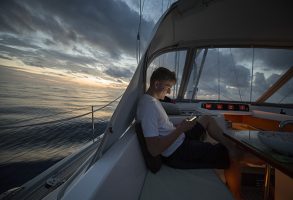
28	99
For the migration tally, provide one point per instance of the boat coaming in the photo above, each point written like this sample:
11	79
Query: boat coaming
118	174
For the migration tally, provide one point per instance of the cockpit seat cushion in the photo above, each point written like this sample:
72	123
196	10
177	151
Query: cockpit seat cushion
186	184
153	163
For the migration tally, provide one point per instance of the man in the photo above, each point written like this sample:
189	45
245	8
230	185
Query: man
179	145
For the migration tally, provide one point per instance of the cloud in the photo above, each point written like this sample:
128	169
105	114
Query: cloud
261	84
151	10
222	72
4	57
118	72
92	37
268	59
228	73
70	34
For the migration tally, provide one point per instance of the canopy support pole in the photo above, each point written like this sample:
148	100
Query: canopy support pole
277	85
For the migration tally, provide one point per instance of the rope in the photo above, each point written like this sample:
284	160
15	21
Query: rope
108	103
60	120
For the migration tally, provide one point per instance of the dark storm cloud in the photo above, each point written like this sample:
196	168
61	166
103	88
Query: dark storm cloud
14	41
261	84
230	73
15	52
118	72
46	58
157	8
269	58
235	79
111	25
106	25
278	59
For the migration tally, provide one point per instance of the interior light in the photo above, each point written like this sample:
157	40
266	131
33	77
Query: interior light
208	106
231	107
219	106
241	107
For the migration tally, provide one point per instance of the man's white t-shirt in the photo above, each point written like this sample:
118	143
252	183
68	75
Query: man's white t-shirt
155	122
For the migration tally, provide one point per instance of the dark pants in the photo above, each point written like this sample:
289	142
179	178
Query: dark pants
193	153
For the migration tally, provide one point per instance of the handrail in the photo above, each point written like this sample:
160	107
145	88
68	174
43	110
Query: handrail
108	103
60	120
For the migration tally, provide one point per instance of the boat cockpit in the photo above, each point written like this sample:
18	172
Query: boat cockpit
234	62
247	91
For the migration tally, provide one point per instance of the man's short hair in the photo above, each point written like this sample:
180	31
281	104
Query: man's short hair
163	74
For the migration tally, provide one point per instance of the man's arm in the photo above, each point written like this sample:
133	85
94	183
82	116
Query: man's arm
156	145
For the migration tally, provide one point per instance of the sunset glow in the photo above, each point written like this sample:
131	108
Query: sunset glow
82	47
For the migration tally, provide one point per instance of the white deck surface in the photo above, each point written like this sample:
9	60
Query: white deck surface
176	184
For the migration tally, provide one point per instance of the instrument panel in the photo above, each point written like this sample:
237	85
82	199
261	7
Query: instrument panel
226	106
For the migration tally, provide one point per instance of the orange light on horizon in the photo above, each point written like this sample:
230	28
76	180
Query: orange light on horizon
63	75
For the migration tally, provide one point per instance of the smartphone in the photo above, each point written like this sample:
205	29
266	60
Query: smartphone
192	118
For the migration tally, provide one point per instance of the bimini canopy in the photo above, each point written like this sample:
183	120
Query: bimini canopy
213	23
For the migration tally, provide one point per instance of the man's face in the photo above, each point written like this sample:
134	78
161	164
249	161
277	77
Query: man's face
163	88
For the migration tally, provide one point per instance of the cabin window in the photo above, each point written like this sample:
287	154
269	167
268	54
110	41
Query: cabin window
239	74
284	95
174	61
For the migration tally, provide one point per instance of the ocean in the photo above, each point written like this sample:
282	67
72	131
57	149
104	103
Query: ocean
34	130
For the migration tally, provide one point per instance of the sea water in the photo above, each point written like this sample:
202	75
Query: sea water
29	142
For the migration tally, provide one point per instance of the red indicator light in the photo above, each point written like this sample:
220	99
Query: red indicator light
241	107
208	106
219	106
231	107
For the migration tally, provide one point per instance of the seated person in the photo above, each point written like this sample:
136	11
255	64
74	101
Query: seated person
180	146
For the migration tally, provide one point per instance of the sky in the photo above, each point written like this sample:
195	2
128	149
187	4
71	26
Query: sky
92	41
234	74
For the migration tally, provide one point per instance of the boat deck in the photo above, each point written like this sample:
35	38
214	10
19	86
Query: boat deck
173	184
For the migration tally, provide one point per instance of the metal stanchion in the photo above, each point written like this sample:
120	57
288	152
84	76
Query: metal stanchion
93	124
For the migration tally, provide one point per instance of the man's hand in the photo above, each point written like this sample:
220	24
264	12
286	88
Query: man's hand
156	145
186	125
